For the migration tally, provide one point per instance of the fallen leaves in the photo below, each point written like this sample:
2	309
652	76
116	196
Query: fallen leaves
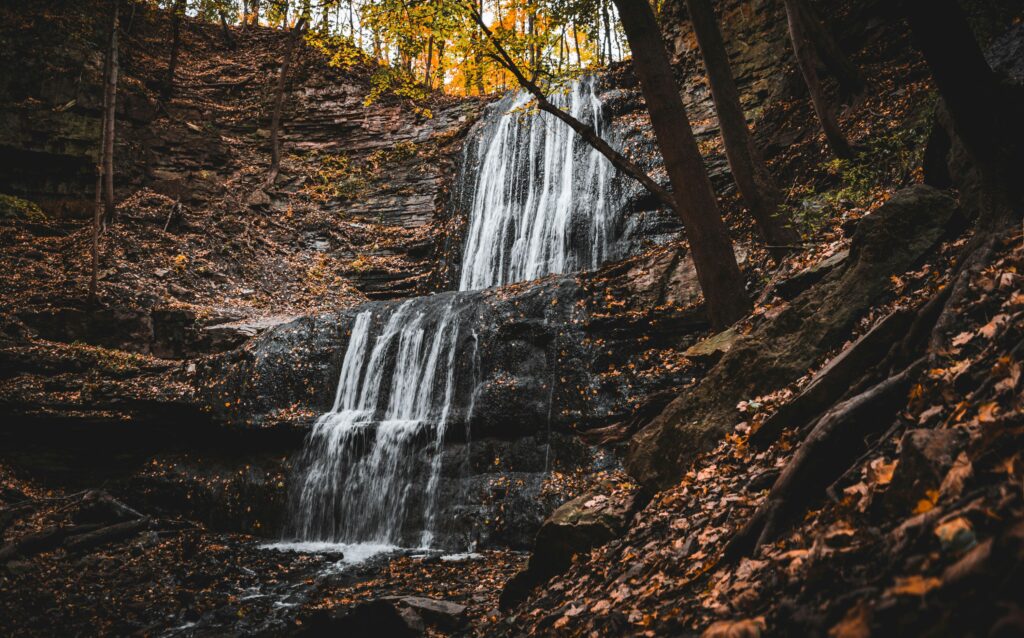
915	585
747	628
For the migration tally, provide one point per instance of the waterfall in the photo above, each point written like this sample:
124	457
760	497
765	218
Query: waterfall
370	470
356	479
542	200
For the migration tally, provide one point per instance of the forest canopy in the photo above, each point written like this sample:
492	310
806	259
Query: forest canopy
437	44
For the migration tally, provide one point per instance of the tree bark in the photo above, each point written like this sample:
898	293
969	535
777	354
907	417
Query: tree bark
749	171
832	56
110	103
717	271
806	60
177	11
985	110
275	122
97	218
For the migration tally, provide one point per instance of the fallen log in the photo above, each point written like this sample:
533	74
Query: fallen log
44	541
108	534
98	506
835	442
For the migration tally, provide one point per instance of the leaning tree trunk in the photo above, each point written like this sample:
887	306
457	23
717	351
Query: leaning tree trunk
803	48
749	171
275	122
986	111
831	54
177	11
719	276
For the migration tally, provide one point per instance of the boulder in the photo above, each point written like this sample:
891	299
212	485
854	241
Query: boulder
443	614
370	619
577	526
713	347
888	242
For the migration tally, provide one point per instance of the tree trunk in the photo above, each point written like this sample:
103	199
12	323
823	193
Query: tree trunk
576	42
803	48
430	58
751	175
109	103
177	11
717	271
607	31
225	31
440	64
832	56
97	218
985	110
255	4
275	122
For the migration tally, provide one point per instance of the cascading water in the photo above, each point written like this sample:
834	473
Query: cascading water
541	203
542	200
356	479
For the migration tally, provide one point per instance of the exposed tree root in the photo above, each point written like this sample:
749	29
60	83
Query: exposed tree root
834	442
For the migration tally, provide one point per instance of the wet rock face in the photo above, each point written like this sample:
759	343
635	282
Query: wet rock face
529	366
520	351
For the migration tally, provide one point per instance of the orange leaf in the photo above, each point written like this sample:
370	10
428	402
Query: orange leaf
915	585
987	412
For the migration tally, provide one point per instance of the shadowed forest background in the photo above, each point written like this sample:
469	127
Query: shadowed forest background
511	317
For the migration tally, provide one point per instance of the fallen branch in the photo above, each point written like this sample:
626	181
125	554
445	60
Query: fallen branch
588	134
39	542
108	534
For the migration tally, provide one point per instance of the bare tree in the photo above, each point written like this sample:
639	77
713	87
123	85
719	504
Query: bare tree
803	48
275	122
831	54
985	109
177	12
109	119
104	160
749	171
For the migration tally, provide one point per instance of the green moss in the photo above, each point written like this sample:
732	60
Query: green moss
16	208
889	160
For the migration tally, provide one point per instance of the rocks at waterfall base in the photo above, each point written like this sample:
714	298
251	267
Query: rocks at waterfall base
402	617
587	521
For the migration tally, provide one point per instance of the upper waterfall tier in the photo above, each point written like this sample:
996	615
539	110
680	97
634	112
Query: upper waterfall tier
541	200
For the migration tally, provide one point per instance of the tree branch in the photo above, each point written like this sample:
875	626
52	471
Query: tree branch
618	160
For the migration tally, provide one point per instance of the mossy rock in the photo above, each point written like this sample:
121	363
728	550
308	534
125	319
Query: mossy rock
21	209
